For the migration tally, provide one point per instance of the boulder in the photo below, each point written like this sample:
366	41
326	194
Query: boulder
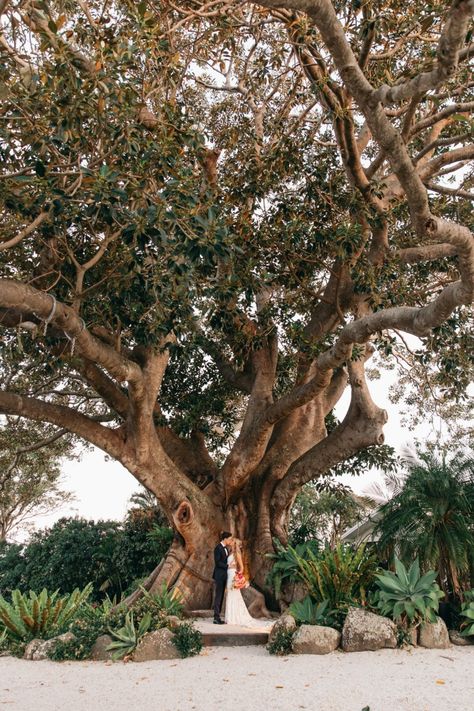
39	649
99	651
315	639
456	638
173	622
285	622
156	645
365	631
434	635
413	636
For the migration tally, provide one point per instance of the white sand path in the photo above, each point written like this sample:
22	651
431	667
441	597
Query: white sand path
247	678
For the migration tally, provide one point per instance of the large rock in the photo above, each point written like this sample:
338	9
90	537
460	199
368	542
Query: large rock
315	639
434	635
39	649
156	645
460	641
286	622
363	631
99	652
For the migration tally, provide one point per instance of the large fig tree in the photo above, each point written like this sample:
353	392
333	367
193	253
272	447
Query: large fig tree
212	215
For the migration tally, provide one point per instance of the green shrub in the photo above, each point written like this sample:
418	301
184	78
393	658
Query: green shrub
286	563
92	622
167	602
40	616
128	636
74	551
308	612
282	643
341	575
187	640
467	611
406	596
12	568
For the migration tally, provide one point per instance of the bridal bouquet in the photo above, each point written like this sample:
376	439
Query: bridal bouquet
240	581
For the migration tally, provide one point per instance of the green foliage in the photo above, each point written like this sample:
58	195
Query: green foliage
12	568
43	616
282	643
128	636
341	575
286	566
467	611
30	474
167	602
407	596
74	551
91	622
432	518
324	510
308	612
187	639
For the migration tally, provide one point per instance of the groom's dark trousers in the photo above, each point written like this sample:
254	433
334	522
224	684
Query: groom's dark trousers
220	578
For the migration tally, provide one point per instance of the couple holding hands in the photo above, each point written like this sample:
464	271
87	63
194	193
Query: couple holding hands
228	577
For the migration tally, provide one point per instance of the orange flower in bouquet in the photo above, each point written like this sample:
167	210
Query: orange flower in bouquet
240	581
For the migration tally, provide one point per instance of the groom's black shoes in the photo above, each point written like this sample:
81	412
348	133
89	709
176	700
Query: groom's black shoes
218	621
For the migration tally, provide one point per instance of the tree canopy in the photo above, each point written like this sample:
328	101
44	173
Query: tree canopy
213	215
31	455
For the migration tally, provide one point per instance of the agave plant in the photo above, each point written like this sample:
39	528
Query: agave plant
128	636
43	615
312	613
407	596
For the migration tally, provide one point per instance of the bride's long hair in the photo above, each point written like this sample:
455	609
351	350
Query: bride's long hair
237	548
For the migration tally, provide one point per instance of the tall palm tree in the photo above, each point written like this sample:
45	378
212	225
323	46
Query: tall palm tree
432	517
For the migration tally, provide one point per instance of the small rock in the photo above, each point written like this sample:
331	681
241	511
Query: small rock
173	622
315	639
365	631
99	651
156	645
39	649
286	622
434	635
456	638
413	636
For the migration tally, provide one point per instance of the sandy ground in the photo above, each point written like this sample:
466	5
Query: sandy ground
247	678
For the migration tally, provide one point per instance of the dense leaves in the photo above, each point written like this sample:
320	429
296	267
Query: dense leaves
74	552
432	518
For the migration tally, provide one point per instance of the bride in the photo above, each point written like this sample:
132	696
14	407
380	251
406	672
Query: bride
236	612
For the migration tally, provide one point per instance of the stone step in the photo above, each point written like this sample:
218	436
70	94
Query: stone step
205	614
234	639
230	635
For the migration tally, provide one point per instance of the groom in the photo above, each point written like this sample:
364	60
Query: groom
221	552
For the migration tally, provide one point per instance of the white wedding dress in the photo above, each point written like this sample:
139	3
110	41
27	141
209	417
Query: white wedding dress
236	612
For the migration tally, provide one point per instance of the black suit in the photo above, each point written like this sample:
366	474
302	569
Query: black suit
220	577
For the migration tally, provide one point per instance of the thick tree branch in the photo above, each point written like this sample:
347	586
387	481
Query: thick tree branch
34	304
64	417
25	232
426	253
361	427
